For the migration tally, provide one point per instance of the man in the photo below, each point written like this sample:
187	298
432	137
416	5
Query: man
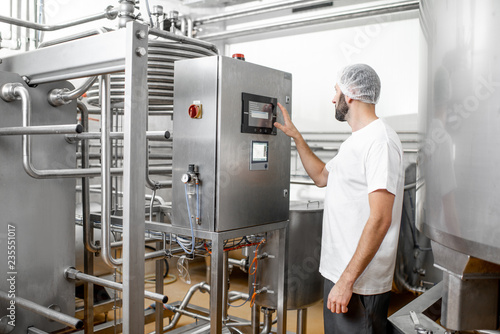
363	205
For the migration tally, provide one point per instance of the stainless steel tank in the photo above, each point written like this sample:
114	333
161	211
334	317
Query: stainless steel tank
161	57
458	193
305	283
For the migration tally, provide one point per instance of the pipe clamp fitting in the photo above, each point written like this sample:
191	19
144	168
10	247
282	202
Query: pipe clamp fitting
8	91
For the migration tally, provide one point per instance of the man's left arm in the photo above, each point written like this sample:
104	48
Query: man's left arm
381	202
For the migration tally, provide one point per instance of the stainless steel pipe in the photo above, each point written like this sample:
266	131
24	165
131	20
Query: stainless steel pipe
203	287
59	97
109	13
151	135
184	39
73	274
338	15
255	11
41	130
44	311
104	85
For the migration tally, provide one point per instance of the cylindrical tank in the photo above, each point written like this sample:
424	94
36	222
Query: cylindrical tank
305	283
457	186
458	191
161	57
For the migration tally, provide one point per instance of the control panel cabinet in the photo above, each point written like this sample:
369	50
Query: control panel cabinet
231	167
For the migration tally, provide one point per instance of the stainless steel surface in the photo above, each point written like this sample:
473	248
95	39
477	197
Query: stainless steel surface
457	194
110	13
233	196
162	53
75	59
427	310
135	114
72	273
58	97
342	13
266	8
458	201
41	130
302	321
216	284
106	174
44	228
45	312
88	248
305	283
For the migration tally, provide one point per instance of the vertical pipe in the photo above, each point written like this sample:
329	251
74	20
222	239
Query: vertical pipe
160	267
225	285
301	321
88	231
255	319
134	168
104	85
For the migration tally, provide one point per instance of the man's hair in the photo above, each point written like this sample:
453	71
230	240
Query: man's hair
360	82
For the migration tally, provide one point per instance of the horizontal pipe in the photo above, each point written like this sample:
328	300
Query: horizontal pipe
151	135
44	311
42	130
109	13
254	11
34	330
72	273
338	15
73	37
184	39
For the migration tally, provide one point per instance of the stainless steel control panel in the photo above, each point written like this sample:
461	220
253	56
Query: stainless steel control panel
231	167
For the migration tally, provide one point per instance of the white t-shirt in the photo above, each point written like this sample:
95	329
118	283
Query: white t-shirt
370	159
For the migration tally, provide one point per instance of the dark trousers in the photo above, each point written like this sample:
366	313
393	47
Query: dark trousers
365	315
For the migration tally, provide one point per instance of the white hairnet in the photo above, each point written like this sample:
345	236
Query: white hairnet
360	82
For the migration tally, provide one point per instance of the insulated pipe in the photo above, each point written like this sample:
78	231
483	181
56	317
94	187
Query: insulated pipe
59	97
73	274
184	39
255	11
341	14
44	311
109	13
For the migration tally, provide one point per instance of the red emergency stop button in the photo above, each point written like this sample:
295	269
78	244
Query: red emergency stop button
194	110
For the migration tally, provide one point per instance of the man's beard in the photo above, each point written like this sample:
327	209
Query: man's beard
341	109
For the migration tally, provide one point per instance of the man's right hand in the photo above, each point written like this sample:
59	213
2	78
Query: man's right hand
288	128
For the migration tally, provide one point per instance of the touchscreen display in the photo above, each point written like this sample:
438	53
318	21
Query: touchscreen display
261	114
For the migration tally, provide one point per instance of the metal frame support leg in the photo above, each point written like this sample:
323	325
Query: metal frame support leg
136	108
216	284
282	279
301	321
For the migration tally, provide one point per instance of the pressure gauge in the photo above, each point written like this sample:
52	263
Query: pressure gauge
186	178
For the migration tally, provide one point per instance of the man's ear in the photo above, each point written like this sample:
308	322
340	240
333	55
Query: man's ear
348	99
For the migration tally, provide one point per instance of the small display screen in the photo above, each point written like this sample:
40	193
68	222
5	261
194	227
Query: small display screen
259	151
261	114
